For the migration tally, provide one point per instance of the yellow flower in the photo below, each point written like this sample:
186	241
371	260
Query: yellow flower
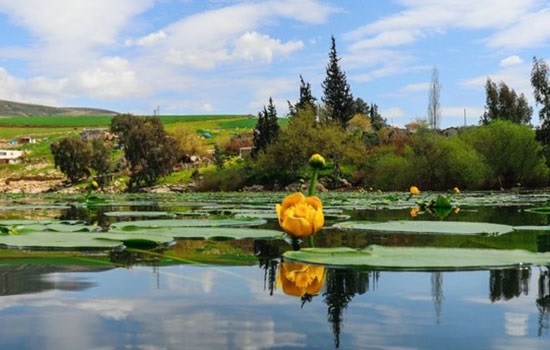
300	216
414	190
414	211
317	161
298	279
456	190
94	185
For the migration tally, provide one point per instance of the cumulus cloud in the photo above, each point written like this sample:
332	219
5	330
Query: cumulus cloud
510	61
111	78
147	40
252	45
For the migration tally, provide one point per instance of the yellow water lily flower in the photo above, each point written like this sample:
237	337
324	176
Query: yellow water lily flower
414	190
300	216
298	279
456	190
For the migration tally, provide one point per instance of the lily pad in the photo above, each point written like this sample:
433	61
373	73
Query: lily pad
58	240
149	214
155	224
212	233
413	258
427	227
82	240
539	210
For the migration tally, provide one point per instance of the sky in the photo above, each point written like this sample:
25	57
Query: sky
230	56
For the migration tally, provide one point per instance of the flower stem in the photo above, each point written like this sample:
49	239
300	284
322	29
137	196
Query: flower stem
311	192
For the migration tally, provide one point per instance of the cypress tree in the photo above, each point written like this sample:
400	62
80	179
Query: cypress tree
306	99
337	97
267	129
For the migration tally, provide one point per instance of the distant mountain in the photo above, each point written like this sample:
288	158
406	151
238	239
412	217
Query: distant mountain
12	109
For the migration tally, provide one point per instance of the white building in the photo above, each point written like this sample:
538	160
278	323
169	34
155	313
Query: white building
10	156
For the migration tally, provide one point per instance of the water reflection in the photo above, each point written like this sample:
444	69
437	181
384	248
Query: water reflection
28	279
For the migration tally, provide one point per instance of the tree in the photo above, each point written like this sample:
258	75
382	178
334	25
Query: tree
541	88
306	99
267	129
121	124
150	151
360	106
73	157
503	103
189	143
101	160
434	109
376	120
337	97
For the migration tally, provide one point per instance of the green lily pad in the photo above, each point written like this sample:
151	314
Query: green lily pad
155	224
414	258
149	214
82	240
212	233
532	228
427	227
539	210
58	240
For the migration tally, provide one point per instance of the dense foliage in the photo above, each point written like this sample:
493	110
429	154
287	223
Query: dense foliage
73	157
503	103
149	150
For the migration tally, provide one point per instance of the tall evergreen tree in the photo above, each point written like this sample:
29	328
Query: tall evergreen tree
267	129
306	99
337	97
503	103
376	120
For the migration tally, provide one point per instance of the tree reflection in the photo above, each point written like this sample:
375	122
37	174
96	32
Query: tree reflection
506	284
340	288
268	255
543	300
437	293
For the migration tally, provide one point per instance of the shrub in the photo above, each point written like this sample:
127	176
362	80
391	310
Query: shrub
511	152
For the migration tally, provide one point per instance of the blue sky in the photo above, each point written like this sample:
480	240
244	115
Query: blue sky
230	56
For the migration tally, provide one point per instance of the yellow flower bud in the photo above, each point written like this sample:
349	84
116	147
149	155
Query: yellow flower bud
414	190
456	190
317	161
300	216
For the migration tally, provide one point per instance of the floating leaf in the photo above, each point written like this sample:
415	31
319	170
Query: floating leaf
57	240
539	210
82	240
154	224
413	258
213	233
149	214
427	227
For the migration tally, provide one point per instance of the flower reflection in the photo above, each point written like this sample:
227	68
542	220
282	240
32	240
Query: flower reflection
299	279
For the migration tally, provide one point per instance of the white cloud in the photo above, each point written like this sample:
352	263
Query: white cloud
112	78
417	87
147	40
510	61
252	45
531	30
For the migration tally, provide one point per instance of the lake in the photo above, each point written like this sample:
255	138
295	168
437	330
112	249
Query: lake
225	294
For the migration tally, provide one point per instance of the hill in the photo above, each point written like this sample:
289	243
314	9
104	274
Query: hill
12	109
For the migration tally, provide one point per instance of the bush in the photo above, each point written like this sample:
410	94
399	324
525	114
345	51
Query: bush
511	152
